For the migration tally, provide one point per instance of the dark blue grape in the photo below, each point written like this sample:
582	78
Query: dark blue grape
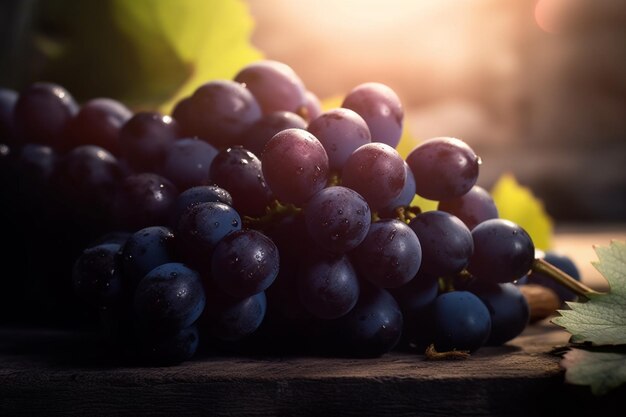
244	263
86	179
376	171
415	300
282	295
97	275
274	84
145	138
372	328
196	195
144	200
98	122
341	131
461	321
390	255
328	286
146	249
8	98
403	199
239	171
187	162
220	111
444	168
508	309
337	219
201	228
295	165
381	108
35	166
472	208
231	319
562	262
446	242
170	296
169	349
257	135
503	251
115	237
42	113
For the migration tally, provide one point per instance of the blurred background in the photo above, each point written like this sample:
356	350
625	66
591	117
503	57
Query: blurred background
536	87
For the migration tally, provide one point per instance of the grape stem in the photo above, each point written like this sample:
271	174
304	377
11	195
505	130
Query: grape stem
541	266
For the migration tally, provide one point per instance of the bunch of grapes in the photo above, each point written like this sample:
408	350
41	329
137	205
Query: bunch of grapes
251	219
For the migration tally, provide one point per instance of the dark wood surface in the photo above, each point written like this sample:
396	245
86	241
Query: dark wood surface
50	372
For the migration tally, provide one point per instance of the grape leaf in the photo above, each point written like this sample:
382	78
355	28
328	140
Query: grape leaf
602	371
602	319
517	204
145	53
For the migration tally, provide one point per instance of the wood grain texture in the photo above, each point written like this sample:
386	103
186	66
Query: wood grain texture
46	372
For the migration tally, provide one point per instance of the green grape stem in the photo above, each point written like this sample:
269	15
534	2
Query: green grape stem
549	270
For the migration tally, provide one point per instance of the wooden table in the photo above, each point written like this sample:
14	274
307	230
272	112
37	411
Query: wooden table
55	372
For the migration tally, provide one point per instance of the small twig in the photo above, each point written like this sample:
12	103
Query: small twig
549	270
432	354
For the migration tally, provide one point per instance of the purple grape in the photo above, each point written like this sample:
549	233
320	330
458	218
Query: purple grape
403	199
274	84
376	171
182	114
390	255
42	113
99	122
220	111
503	251
444	168
341	132
446	242
312	105
144	200
145	138
239	171
472	208
295	165
187	162
337	219
244	263
381	108
257	135
328	286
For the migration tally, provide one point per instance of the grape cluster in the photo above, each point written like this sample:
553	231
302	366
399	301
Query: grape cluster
250	219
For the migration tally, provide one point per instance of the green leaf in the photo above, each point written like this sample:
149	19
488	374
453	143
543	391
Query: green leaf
602	319
145	53
518	204
602	371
